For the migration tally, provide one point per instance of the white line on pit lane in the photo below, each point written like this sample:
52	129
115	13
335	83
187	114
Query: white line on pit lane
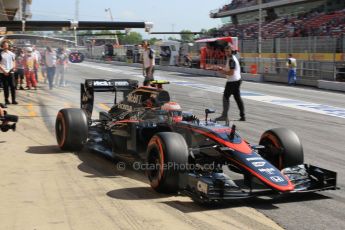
290	103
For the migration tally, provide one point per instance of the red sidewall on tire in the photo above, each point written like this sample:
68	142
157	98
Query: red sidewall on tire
170	151
71	129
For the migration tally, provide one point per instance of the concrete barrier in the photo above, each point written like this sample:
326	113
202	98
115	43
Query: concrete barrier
331	85
284	79
252	77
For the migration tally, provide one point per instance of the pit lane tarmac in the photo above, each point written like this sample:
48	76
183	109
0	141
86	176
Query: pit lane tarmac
44	188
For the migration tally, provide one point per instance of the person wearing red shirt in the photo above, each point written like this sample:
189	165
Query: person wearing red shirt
30	64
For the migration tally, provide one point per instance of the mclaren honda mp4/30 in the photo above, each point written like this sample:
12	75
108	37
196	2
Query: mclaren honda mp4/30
178	149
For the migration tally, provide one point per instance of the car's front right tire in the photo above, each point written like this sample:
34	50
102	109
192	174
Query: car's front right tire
283	148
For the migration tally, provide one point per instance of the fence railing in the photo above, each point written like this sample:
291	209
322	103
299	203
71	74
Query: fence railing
310	70
324	44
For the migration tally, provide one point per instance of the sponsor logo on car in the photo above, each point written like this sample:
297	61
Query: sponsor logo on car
101	83
110	83
121	83
202	187
276	179
133	98
125	107
269	171
254	159
259	163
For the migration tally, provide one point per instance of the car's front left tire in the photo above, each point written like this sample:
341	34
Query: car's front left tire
167	157
71	129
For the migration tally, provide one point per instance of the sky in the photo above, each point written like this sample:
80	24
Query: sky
173	15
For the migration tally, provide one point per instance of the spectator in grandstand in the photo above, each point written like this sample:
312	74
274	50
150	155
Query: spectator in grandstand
30	64
291	64
19	73
7	67
148	62
50	62
232	71
61	62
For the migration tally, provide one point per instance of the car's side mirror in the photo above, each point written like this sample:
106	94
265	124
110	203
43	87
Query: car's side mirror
76	57
207	112
187	116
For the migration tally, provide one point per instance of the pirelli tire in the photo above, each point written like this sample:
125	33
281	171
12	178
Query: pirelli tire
71	129
167	157
283	148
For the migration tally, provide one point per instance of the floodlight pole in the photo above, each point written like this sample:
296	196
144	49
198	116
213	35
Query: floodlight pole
259	36
112	19
20	10
76	19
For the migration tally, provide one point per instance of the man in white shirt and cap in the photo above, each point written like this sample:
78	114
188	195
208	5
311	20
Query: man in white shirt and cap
148	62
232	71
7	67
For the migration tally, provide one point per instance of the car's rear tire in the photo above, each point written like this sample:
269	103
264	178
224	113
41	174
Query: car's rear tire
71	129
169	152
283	148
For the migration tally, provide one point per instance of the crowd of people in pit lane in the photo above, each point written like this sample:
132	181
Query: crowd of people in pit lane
20	68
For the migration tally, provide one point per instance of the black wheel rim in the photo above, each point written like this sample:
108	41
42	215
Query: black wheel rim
271	152
59	131
154	165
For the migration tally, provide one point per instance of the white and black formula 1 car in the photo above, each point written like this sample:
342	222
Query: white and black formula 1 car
184	154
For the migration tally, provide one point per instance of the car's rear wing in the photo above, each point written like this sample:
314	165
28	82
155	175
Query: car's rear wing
90	86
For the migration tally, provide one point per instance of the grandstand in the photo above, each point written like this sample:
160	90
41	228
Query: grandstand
283	18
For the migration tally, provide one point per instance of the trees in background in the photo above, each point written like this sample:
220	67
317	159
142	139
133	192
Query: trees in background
187	36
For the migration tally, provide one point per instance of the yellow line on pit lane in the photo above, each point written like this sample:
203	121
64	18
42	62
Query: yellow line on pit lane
32	112
104	106
67	105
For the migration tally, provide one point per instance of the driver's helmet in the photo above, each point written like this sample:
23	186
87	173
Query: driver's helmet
174	110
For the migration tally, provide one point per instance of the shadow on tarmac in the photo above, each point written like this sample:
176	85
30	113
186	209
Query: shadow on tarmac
48	149
135	193
98	165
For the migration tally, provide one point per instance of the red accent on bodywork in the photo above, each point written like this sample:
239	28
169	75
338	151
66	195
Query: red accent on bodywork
177	119
242	147
222	130
126	121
